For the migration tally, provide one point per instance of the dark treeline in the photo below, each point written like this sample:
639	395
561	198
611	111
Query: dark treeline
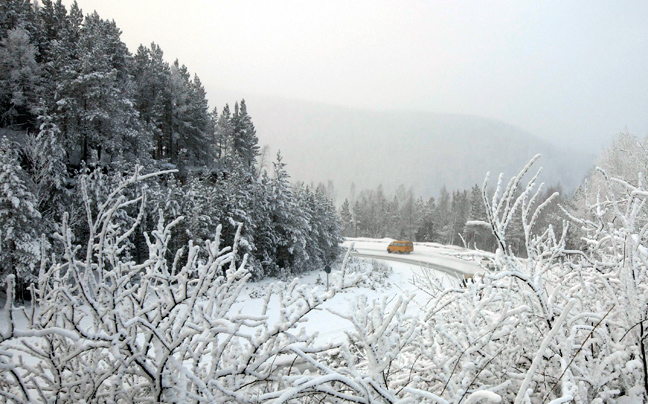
75	103
452	218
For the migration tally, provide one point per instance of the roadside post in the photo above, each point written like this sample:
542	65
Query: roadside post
327	269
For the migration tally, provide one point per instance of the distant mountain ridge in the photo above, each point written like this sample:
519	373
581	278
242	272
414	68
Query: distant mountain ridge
321	142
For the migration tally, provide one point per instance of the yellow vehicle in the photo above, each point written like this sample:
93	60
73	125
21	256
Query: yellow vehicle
401	247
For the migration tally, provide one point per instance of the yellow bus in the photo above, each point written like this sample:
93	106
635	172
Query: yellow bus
401	247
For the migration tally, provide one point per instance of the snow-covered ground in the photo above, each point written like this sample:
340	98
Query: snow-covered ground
383	280
394	278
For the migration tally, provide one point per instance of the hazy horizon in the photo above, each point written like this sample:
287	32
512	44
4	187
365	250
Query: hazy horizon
570	73
422	150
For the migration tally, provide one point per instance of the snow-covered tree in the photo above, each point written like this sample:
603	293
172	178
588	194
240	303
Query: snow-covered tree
93	97
188	137
325	220
346	218
20	78
46	167
20	246
151	76
625	157
223	135
459	215
558	325
245	143
289	224
476	231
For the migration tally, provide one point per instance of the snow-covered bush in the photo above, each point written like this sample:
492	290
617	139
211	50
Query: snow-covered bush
103	328
375	273
560	325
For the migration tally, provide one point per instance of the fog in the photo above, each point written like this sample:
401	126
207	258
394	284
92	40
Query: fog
572	73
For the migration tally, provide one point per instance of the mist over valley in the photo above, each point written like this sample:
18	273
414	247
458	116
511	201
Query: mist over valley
423	150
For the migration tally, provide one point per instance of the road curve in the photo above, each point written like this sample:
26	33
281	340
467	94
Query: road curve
408	260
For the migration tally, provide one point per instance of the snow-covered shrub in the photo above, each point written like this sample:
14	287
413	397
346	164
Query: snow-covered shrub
106	329
374	273
559	325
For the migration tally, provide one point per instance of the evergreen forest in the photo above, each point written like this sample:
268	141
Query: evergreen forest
79	112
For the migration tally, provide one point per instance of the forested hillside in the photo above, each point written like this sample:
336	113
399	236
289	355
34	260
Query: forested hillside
79	112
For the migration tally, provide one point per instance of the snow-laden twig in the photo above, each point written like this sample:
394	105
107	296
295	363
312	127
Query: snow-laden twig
109	329
522	392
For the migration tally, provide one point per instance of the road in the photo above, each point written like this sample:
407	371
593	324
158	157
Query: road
412	260
428	255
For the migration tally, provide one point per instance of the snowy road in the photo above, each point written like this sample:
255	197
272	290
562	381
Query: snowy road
413	261
428	255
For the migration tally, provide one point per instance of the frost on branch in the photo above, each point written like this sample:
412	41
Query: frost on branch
105	329
561	324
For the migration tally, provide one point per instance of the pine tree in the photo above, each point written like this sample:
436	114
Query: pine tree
45	160
442	216
288	221
94	99
427	230
459	215
346	218
409	216
20	79
265	236
198	130
380	201
364	212
245	142
328	226
311	251
477	236
151	75
59	56
19	240
235	198
15	14
187	141
53	26
357	212
223	137
393	218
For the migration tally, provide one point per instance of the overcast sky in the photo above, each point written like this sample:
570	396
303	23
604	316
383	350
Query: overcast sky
568	71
